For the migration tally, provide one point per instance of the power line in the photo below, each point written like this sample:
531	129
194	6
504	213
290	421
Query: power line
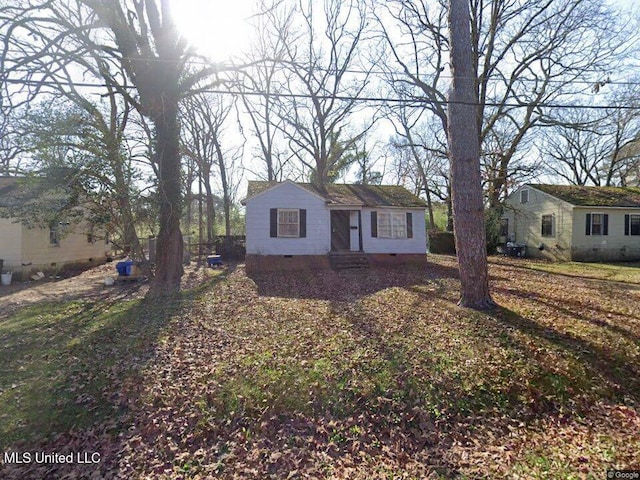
418	102
225	67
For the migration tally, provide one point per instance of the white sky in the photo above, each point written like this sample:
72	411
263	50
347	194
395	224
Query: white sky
218	28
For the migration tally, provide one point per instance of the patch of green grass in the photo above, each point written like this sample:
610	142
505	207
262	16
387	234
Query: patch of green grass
439	217
628	272
58	358
61	362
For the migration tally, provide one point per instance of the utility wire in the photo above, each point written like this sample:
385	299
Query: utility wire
417	102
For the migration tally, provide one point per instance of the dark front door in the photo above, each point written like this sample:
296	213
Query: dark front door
340	233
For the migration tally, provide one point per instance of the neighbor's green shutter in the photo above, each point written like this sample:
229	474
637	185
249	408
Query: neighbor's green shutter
409	225
273	216
588	231
303	223
374	224
627	221
605	224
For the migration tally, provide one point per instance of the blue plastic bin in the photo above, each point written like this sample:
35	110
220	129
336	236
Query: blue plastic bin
124	268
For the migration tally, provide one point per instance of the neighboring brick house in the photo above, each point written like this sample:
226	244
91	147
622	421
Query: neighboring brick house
300	225
568	222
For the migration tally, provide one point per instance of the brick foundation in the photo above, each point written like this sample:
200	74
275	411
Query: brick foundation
386	260
279	263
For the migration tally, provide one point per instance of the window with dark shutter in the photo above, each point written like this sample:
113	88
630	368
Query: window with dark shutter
288	223
632	225
597	224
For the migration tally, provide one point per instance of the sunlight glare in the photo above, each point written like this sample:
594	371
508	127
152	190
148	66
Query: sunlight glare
218	29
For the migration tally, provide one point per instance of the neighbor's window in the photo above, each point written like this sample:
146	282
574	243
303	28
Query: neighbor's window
90	238
547	225
54	239
596	223
504	227
634	224
524	196
288	223
392	225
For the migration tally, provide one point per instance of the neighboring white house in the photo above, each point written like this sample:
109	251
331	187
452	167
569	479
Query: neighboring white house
568	222
300	225
26	250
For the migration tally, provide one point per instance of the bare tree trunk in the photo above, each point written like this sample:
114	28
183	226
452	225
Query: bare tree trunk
200	211
124	204
170	244
432	221
226	194
449	227
210	210
466	184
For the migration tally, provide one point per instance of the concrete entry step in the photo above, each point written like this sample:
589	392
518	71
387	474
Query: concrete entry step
347	260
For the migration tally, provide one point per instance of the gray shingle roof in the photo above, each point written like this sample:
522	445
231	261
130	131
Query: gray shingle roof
593	196
351	194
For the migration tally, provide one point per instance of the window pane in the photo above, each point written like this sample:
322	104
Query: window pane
504	227
634	227
399	225
288	223
384	225
596	224
547	225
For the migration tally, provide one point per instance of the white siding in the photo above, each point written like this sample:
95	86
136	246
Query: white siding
525	224
614	246
417	244
287	195
10	243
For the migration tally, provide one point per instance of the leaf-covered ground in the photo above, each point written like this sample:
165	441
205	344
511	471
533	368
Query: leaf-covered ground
362	374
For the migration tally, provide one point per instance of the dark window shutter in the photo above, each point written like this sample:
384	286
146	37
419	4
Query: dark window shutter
588	231
303	223
627	222
409	225
273	214
374	224
605	224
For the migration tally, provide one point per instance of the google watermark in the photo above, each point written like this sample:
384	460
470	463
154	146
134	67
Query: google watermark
75	458
624	474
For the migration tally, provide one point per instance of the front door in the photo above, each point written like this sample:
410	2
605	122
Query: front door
340	230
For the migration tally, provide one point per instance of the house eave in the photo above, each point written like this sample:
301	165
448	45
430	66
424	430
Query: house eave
601	207
244	201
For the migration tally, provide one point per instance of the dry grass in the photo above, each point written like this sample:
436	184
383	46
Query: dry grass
378	374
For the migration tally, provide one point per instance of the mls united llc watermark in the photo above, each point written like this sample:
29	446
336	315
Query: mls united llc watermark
50	458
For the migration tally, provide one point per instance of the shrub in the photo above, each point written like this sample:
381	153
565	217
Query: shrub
441	242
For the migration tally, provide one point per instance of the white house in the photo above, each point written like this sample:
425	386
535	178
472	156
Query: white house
300	225
568	222
24	250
